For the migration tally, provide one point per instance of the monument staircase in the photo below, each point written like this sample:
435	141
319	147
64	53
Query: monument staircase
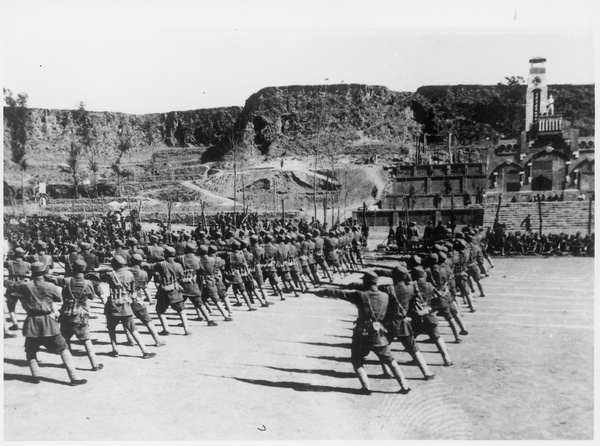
568	217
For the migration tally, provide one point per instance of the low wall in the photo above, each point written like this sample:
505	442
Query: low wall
569	217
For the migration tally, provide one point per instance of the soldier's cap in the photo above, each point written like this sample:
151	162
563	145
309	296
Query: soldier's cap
416	260
85	246
186	236
468	238
212	249
38	269
400	272
268	238
19	252
243	244
418	272
170	251
438	247
315	232
117	262
202	234
308	235
41	245
370	278
442	257
79	266
434	257
300	237
253	239
413	223
218	234
136	259
202	250
118	242
460	244
235	245
448	245
132	241
174	236
190	247
153	238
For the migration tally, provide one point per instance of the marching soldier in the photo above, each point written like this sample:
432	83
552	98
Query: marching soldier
368	334
75	311
41	327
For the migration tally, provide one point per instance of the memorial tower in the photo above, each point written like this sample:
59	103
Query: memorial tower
537	92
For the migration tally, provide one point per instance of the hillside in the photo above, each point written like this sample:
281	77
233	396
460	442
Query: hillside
347	122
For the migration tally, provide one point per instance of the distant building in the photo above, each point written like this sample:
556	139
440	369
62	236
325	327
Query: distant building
549	155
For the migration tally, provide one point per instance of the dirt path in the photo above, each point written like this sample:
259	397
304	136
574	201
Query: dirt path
223	201
525	371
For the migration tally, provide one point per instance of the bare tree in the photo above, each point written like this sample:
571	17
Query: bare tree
125	144
72	162
19	120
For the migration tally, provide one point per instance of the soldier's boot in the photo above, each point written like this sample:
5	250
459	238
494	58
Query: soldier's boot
226	314
67	359
470	302
247	300
397	371
140	342
262	292
112	334
459	322
226	302
422	364
91	353
441	346
185	323
481	293
364	380
263	302
130	340
278	291
315	276
453	328
470	283
165	325
199	314
34	367
157	341
203	309
291	287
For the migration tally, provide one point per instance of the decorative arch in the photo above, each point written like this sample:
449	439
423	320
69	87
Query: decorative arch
551	175
510	176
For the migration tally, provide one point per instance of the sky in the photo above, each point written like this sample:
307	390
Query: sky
152	56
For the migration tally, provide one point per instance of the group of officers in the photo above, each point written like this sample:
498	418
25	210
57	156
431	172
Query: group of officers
202	267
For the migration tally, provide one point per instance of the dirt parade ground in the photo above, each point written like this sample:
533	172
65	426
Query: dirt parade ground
525	371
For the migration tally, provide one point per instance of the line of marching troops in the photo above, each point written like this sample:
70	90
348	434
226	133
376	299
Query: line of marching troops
202	268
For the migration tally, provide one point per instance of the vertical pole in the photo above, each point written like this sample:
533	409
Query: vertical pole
590	216
364	214
540	211
282	212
